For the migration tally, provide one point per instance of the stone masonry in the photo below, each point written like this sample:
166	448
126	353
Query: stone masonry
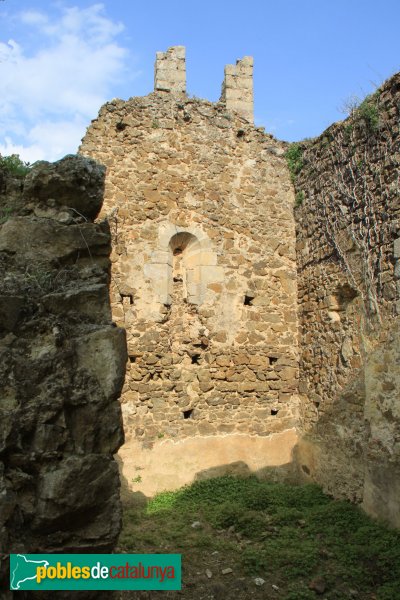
348	250
204	275
237	88
205	279
170	71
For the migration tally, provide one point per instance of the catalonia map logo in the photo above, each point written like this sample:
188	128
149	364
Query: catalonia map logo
95	572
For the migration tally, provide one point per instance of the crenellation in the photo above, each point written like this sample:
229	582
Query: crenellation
170	71
237	88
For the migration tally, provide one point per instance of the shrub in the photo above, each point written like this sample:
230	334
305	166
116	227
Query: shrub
299	198
14	165
294	157
369	113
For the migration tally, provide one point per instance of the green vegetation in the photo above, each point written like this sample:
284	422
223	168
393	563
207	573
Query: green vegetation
14	165
5	213
299	198
37	280
294	157
348	130
288	535
368	111
363	113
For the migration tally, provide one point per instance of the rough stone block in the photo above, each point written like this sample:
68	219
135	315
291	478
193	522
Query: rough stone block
396	248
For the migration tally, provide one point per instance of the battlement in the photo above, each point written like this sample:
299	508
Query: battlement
237	88
170	70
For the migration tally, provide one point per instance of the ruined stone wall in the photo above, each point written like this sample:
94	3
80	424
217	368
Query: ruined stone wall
170	70
348	252
62	365
204	277
237	88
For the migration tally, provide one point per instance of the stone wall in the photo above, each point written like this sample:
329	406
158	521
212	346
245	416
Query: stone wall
170	70
237	88
348	250
62	365
204	275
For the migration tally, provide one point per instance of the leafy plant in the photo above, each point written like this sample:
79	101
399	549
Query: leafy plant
14	165
368	111
294	158
299	198
363	111
5	213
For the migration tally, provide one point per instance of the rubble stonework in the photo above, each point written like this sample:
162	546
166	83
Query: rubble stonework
349	290
205	284
62	365
204	273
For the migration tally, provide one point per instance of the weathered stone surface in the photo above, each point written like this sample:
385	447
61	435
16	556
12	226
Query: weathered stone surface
46	240
62	365
196	281
237	90
170	71
204	274
348	248
73	182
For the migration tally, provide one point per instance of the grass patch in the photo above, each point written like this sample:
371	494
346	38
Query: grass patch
285	534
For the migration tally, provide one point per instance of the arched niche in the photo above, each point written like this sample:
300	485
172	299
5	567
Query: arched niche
199	261
185	266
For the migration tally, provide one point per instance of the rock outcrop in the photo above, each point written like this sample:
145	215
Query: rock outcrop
62	364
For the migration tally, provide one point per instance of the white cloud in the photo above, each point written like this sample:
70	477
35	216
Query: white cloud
49	95
32	17
27	153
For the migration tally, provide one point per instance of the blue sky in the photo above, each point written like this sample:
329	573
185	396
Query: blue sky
59	61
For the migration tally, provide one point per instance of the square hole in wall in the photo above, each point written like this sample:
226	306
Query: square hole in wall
274	411
195	358
248	300
272	359
188	414
126	298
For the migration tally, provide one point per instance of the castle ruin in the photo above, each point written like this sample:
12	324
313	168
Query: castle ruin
230	368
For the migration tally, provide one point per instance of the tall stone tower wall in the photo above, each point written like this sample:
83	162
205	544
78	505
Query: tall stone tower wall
204	281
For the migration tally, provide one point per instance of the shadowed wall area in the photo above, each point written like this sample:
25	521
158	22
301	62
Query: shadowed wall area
348	253
62	364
